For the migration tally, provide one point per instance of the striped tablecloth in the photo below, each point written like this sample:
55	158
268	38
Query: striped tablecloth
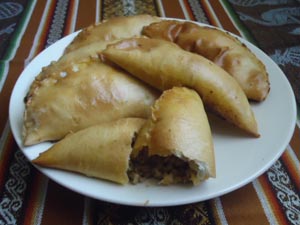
28	197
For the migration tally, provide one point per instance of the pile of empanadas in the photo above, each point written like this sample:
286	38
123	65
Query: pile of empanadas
127	100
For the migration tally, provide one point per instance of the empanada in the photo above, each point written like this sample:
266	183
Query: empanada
175	144
80	55
163	65
81	95
112	29
101	151
219	47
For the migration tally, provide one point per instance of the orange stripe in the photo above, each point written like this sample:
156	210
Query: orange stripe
214	212
62	206
34	201
17	63
70	17
40	45
9	148
32	28
243	205
44	34
189	10
173	9
12	76
86	14
223	17
295	142
31	31
208	13
292	168
273	201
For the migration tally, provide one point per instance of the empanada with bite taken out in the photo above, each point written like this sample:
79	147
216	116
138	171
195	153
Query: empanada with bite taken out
175	144
100	151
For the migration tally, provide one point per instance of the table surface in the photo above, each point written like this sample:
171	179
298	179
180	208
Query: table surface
28	197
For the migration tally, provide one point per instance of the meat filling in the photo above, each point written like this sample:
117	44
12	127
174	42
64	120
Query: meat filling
167	170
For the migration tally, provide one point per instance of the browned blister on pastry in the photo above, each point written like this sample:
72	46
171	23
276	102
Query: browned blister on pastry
101	151
112	29
163	65
175	144
79	95
221	48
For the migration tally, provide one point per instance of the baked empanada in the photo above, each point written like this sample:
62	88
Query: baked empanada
112	29
80	55
101	151
163	65
175	144
219	47
81	95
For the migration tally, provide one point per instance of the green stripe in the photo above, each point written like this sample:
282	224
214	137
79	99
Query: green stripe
15	40
241	27
2	69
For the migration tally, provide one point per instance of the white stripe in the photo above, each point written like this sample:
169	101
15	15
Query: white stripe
160	8
17	43
220	211
74	16
198	11
295	160
86	212
38	35
214	15
265	204
43	193
98	10
185	12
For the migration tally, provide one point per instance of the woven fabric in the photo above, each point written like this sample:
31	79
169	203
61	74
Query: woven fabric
28	197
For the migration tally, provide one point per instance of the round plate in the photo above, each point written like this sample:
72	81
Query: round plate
239	158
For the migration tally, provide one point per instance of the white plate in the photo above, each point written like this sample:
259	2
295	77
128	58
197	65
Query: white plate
239	159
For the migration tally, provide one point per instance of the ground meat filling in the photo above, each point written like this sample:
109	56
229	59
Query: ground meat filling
167	170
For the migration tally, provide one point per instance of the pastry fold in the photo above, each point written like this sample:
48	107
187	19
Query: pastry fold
163	65
219	47
112	29
101	151
80	95
175	144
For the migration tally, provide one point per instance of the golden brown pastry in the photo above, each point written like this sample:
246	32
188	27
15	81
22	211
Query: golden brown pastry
112	29
163	65
219	47
81	95
100	151
175	144
82	54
